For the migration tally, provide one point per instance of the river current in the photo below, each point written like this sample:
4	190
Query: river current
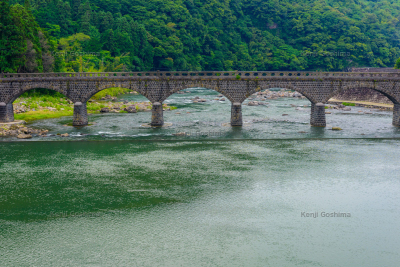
275	192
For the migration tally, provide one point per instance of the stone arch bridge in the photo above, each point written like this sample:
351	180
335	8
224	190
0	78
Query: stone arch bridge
317	87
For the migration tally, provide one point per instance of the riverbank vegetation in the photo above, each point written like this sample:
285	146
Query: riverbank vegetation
47	104
110	35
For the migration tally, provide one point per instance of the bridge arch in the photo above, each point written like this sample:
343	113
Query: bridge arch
28	87
289	87
298	86
317	115
365	86
101	86
211	85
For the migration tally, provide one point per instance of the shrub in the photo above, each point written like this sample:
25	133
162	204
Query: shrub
348	104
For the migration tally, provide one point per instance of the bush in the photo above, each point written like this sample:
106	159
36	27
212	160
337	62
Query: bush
348	104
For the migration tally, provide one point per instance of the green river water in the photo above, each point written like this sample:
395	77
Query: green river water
120	194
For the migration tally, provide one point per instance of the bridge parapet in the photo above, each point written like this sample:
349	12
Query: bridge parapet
205	74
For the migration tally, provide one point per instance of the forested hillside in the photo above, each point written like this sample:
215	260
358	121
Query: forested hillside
135	35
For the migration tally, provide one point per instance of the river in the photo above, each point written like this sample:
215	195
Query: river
120	194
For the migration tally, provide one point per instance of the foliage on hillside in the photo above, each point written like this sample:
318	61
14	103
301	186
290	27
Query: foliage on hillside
135	35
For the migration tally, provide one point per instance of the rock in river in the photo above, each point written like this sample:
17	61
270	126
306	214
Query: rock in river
131	109
253	103
24	136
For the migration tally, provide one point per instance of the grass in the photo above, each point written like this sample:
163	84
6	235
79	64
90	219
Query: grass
63	108
42	114
348	104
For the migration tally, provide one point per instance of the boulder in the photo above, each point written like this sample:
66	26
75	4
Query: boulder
24	136
64	135
346	109
297	94
253	103
180	134
25	130
336	129
104	110
222	99
131	109
12	133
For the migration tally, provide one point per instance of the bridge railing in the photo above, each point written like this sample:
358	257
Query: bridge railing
242	74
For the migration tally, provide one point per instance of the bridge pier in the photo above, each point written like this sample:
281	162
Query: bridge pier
80	114
318	115
396	115
236	114
157	118
6	112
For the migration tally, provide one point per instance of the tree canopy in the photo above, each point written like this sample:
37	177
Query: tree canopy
136	35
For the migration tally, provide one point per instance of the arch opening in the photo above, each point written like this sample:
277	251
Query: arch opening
136	98
199	106
108	92
38	92
38	98
274	92
364	94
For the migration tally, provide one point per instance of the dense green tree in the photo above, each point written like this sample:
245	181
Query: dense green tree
12	43
210	35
